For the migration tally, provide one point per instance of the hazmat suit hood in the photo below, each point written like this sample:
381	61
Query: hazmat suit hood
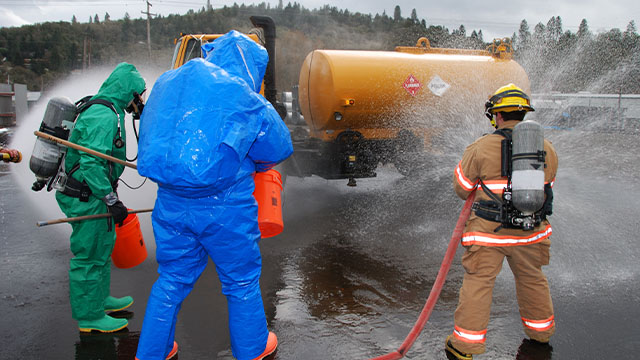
120	86
239	56
97	127
206	128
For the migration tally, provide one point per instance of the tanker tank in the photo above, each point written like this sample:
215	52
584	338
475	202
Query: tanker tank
363	108
379	93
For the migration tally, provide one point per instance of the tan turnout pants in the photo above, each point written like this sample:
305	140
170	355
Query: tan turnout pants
482	264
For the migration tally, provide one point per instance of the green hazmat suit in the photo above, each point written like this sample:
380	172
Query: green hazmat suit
91	241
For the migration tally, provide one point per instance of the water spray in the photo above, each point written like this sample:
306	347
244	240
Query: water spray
437	285
82	148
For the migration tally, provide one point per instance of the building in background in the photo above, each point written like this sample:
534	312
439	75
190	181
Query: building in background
587	111
15	102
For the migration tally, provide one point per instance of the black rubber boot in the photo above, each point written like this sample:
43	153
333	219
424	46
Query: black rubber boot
534	350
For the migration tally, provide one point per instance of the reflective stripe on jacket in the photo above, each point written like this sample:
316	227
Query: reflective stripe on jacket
481	161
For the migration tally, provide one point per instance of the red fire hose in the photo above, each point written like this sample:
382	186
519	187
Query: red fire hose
437	285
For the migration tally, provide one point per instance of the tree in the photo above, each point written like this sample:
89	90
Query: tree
126	28
539	31
397	14
74	20
462	32
583	29
96	19
414	16
631	28
55	59
554	29
630	41
524	35
107	17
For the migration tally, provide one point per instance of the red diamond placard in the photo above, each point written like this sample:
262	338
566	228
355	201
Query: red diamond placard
412	85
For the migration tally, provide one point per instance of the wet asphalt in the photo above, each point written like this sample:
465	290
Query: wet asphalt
351	272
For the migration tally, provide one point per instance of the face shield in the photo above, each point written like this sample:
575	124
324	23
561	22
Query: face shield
136	105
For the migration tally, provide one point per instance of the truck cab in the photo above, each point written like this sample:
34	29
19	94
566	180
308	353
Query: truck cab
188	46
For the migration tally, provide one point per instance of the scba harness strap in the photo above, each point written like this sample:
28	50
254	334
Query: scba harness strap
502	210
84	103
80	189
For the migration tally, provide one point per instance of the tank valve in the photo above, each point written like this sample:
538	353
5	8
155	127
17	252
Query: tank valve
39	184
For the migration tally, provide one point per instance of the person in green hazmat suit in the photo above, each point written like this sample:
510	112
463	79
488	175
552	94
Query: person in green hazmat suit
91	189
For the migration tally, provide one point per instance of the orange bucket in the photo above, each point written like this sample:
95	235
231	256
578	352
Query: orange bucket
129	250
267	194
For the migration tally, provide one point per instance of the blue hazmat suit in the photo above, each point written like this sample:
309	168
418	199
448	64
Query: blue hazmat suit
204	132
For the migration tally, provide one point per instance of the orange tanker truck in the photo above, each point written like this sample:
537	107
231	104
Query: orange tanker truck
364	108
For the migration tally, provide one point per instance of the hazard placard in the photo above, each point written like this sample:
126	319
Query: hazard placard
412	85
438	86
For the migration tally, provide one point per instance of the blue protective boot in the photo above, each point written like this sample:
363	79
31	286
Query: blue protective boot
116	304
104	324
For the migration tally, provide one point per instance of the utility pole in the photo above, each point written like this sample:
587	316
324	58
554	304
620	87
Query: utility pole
84	54
149	14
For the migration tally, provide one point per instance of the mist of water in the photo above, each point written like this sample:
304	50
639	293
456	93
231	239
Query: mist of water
75	87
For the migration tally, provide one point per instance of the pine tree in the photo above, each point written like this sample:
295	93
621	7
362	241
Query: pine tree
524	35
583	29
631	28
397	14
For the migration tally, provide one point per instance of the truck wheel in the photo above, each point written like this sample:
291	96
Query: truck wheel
407	152
407	163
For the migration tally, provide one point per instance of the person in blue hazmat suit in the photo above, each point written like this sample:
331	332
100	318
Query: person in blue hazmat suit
90	190
205	131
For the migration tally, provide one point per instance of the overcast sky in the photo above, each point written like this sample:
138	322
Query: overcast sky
494	18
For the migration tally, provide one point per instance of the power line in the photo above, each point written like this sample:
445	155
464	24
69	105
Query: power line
89	3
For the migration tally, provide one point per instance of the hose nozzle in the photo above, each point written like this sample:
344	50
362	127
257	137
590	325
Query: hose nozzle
8	158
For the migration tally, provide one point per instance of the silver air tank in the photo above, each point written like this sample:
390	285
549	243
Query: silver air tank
58	121
527	179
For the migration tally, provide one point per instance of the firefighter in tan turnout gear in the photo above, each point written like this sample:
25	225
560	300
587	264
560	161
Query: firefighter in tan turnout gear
496	229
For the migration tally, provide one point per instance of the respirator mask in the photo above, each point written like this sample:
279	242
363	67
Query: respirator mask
136	105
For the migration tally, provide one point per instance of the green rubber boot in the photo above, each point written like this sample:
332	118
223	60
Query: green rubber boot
116	304
104	324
